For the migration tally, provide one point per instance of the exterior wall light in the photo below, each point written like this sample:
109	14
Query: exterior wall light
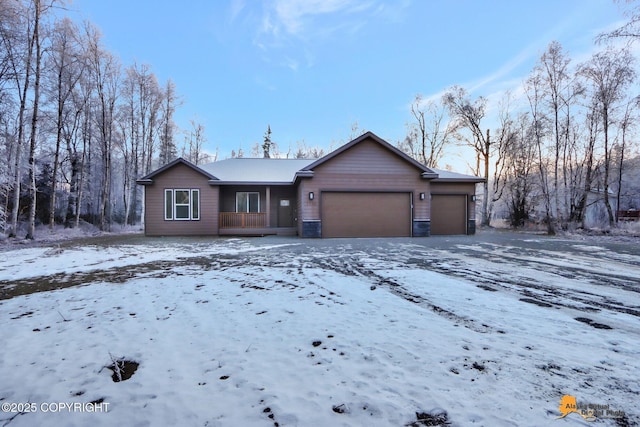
473	198
311	195
421	196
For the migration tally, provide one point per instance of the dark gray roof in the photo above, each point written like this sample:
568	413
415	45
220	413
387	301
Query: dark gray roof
258	171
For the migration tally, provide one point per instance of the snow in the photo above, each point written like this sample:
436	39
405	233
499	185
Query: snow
237	332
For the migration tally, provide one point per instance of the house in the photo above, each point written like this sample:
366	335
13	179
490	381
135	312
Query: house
366	188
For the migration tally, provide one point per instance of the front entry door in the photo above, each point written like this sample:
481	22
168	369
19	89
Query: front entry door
285	213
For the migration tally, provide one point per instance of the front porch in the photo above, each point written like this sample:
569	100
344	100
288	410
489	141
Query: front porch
257	210
250	224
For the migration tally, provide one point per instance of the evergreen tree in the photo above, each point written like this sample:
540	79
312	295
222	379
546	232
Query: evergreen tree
266	147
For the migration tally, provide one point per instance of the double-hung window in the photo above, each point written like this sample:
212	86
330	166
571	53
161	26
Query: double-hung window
181	204
247	201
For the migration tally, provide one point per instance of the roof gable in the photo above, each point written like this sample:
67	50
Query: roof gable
370	136
148	179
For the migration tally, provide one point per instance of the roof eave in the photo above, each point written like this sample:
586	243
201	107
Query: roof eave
429	175
147	179
304	173
471	180
255	183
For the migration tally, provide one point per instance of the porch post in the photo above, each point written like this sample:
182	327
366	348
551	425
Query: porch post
268	206
144	199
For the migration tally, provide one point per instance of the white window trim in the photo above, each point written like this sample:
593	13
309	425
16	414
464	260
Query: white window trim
247	193
196	192
174	206
164	207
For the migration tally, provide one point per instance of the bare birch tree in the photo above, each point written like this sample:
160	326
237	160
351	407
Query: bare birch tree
37	41
519	167
16	30
629	31
554	72
105	70
469	116
66	67
193	149
168	150
76	133
534	91
609	73
627	123
430	132
592	135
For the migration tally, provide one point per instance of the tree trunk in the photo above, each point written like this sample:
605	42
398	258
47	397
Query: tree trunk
486	218
34	125
582	202
56	157
73	190
620	168
81	181
13	229
607	165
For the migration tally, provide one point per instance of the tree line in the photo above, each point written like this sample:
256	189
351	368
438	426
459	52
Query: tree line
563	140
77	128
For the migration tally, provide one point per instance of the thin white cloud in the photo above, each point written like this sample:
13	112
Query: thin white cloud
287	31
235	9
510	77
295	15
291	63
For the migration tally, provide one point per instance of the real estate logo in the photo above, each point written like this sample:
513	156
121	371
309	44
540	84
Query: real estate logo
588	411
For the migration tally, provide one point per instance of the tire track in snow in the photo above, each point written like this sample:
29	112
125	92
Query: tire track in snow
352	267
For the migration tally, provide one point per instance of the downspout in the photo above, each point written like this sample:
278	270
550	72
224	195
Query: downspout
144	200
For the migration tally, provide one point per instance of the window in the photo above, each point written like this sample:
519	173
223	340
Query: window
182	204
247	201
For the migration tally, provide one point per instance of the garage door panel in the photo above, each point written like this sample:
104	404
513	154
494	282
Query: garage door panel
346	214
448	214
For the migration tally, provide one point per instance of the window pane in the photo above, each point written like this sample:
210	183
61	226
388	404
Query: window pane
195	204
241	202
254	202
182	212
182	197
168	204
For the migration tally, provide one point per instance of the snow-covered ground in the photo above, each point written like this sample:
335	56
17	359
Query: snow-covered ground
291	332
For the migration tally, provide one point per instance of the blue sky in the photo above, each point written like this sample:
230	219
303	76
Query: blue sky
312	68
